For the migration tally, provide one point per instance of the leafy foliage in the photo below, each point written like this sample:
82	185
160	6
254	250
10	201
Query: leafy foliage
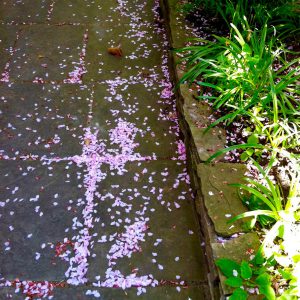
241	71
281	215
246	275
277	206
284	14
252	76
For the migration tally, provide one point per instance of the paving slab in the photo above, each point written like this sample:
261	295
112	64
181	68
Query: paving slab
46	53
95	195
136	104
85	12
8	36
24	11
197	114
42	119
149	192
134	28
222	200
137	44
166	293
177	23
33	220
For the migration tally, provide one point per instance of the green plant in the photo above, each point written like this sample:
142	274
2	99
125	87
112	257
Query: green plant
241	72
283	14
279	208
292	275
278	138
260	274
245	276
251	74
282	134
189	6
281	215
277	263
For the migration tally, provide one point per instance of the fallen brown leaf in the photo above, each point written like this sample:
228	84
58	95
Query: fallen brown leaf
115	51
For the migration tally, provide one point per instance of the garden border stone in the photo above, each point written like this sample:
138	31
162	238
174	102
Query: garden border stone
215	201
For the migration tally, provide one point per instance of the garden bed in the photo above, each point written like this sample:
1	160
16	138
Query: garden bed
216	201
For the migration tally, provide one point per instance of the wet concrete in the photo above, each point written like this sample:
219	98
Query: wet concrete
95	197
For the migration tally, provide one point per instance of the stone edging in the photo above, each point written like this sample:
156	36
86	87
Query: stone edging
215	200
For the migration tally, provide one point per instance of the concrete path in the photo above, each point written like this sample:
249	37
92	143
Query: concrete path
95	197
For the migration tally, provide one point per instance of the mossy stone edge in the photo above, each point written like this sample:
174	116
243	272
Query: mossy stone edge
215	201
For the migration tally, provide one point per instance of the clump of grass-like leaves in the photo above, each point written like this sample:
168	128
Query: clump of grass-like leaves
251	76
280	215
284	14
243	71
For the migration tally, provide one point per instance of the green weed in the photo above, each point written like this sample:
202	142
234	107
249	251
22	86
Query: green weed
241	71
